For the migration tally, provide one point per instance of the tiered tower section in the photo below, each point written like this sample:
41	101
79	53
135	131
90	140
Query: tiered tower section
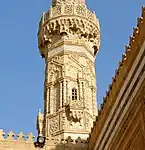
69	39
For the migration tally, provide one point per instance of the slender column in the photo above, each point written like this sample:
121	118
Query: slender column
96	108
64	92
51	100
69	92
48	101
50	12
94	102
67	96
79	96
46	132
81	91
61	93
83	94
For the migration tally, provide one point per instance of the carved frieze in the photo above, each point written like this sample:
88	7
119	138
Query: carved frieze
76	119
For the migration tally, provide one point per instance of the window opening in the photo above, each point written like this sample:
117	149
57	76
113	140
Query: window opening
74	94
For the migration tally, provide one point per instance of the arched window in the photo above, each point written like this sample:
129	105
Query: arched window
74	94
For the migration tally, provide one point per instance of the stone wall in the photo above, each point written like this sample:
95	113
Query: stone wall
121	120
12	141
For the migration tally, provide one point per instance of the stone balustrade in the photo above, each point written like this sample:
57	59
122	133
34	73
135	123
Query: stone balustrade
79	10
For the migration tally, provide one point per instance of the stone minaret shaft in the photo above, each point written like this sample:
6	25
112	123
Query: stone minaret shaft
69	39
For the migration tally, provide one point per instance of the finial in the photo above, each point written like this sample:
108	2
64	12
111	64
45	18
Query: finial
39	111
40	122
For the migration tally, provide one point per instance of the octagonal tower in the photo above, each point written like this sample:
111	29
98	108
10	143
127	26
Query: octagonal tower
68	39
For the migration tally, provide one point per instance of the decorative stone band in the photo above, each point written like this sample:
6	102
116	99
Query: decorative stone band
65	9
69	22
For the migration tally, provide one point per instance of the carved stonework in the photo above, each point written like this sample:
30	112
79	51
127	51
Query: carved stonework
54	125
69	22
69	39
66	72
76	120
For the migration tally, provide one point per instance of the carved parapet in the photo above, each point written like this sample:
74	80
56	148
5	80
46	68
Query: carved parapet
16	137
71	23
63	10
16	141
26	142
78	144
2	135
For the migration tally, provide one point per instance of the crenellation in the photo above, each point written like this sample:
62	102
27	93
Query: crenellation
140	21
135	31
16	137
11	136
30	138
2	134
23	142
20	137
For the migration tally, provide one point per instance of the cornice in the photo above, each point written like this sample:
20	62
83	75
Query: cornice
75	42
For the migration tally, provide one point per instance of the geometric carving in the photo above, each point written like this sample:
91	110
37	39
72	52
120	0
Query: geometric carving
56	11
64	73
81	10
68	9
76	67
54	125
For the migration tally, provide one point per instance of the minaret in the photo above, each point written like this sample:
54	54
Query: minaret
69	39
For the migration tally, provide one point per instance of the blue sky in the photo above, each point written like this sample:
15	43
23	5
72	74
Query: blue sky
22	69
